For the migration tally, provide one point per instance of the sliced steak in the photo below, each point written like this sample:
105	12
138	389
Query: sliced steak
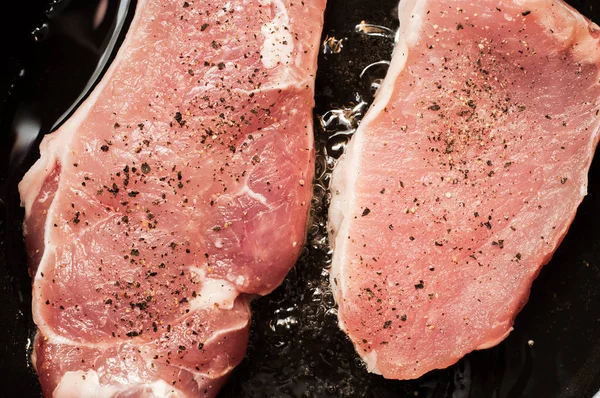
176	192
463	178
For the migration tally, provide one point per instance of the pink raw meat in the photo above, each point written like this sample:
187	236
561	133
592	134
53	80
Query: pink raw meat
178	191
463	178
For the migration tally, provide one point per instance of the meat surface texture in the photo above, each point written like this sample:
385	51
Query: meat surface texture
463	177
174	194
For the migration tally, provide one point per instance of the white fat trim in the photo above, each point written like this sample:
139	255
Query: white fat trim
161	389
344	175
370	360
278	45
213	293
31	184
342	326
576	33
57	146
83	384
410	14
77	384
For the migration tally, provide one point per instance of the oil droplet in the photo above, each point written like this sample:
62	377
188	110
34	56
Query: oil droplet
375	30
41	32
331	45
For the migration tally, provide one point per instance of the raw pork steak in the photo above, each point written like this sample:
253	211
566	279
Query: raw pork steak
177	191
463	177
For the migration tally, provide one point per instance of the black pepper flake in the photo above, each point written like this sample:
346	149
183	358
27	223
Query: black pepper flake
488	225
145	168
221	65
179	118
181	348
403	318
76	218
108	302
125	219
186	4
499	243
387	324
419	285
518	256
215	45
114	190
142	305
203	27
525	13
434	107
132	334
135	252
459	26
104	148
133	194
366	212
200	346
563	180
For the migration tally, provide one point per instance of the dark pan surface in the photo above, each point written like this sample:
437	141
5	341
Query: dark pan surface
296	349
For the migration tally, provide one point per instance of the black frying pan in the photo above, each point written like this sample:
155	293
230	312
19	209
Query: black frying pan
296	349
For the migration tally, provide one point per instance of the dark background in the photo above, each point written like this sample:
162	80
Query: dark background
296	349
